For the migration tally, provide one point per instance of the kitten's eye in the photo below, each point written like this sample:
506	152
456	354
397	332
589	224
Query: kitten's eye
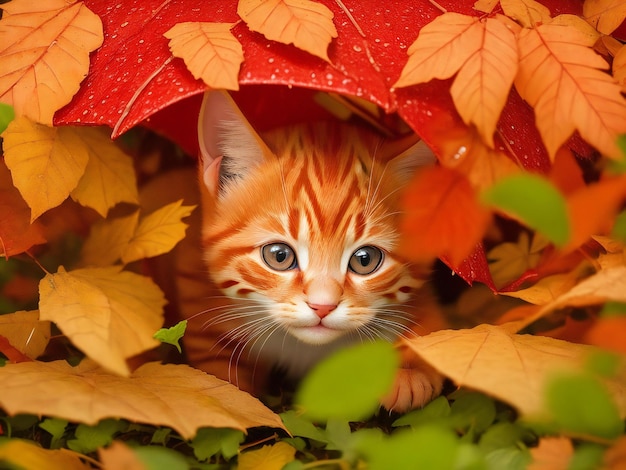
279	256
366	260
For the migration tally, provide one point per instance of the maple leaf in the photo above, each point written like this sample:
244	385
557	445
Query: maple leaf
44	54
560	77
426	234
176	396
273	457
24	454
527	12
484	54
109	176
604	15
511	367
107	313
306	24
508	261
26	332
210	52
46	163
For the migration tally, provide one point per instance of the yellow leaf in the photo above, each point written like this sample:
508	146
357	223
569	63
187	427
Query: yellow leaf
511	367
44	54
545	290
25	332
527	12
158	233
508	261
46	163
619	68
559	75
107	313
177	396
486	6
267	457
108	239
552	453
210	52
109	176
306	24
578	23
28	455
478	50
605	15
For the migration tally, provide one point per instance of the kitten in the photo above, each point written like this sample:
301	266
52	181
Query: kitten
299	232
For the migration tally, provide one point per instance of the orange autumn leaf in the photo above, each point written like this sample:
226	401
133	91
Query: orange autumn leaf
306	24
108	238
40	42
619	67
514	368
23	454
119	455
552	453
26	332
176	396
486	6
17	234
615	456
107	313
210	52
605	15
46	163
527	12
441	216
109	176
608	332
482	53
592	209
561	77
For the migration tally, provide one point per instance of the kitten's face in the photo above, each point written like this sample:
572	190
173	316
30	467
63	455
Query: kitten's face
308	238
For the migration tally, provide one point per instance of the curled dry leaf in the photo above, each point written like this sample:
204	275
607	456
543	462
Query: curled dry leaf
26	332
306	24
484	54
605	15
177	396
39	43
46	163
511	367
562	78
107	313
210	52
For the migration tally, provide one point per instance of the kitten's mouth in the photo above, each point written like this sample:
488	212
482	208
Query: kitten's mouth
318	334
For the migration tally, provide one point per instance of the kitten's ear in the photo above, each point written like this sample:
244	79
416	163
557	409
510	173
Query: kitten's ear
407	161
229	146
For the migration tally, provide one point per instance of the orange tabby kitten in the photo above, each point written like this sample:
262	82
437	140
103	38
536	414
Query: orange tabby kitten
299	233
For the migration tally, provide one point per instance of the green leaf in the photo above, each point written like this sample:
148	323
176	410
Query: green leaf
161	458
7	114
425	447
339	434
534	201
503	435
299	425
161	436
581	404
88	438
619	227
587	456
510	458
434	412
604	363
348	385
473	410
56	427
211	441
172	335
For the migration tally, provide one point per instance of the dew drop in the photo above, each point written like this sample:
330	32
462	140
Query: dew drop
271	60
124	24
357	48
460	152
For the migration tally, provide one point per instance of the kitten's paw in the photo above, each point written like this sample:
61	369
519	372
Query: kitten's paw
413	388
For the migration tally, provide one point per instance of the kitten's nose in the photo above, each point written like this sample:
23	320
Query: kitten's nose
322	310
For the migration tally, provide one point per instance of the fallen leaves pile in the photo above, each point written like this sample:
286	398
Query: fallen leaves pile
521	101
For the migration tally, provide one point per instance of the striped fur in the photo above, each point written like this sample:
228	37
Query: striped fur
325	190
